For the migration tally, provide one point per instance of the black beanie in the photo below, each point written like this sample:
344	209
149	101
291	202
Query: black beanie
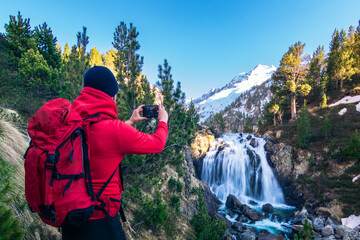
101	78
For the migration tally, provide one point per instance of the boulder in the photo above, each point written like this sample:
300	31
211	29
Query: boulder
237	226
248	137
278	134
254	143
300	217
254	158
247	235
347	233
251	214
242	218
341	231
264	231
331	222
270	237
223	218
318	224
268	208
297	228
232	202
228	236
252	202
327	231
331	237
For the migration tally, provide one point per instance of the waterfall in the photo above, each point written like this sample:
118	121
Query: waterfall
236	164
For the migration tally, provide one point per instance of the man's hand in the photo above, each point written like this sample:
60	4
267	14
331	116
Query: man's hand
163	115
136	116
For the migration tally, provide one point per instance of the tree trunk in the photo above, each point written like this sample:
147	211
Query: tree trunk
274	121
293	107
341	83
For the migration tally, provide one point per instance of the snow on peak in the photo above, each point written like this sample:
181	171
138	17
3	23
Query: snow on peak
218	99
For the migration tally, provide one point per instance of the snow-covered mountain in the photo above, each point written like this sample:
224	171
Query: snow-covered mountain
218	99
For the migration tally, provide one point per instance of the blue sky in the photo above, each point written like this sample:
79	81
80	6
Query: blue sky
207	42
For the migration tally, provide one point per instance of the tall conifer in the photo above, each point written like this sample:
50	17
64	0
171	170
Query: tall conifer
46	43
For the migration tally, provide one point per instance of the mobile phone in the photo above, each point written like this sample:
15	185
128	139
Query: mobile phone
151	111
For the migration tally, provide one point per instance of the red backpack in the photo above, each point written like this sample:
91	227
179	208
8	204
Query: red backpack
58	183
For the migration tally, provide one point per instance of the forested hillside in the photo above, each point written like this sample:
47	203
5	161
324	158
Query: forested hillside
304	112
160	195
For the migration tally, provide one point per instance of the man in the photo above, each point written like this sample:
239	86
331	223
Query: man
109	140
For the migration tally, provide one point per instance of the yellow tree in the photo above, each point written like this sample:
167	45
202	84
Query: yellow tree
109	59
291	74
95	58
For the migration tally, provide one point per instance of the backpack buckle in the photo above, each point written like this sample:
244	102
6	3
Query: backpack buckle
50	160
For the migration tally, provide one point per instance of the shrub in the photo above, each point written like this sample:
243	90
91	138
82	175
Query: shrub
153	212
205	227
175	185
352	150
175	203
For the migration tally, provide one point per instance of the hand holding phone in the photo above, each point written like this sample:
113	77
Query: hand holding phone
151	111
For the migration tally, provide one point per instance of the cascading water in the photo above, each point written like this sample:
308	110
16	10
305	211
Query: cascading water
236	164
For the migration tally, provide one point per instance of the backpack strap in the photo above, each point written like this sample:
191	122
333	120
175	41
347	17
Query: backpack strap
122	213
103	204
87	165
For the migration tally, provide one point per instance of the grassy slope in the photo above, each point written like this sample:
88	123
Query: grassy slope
12	148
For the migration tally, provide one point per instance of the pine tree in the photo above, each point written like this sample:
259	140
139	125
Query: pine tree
182	122
128	65
334	59
307	233
219	121
291	74
134	87
205	227
303	127
82	42
352	150
95	58
316	71
46	43
20	36
326	128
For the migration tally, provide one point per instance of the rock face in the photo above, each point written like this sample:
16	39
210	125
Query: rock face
232	202
211	200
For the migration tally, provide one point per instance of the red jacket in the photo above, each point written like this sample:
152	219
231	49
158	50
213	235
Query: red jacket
109	141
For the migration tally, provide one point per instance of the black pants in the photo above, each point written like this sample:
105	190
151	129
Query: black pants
106	228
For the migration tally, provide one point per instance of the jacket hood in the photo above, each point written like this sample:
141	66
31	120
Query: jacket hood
92	101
